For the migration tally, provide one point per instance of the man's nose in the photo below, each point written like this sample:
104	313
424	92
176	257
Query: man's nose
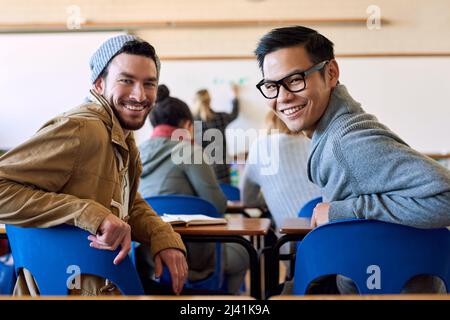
284	95
138	93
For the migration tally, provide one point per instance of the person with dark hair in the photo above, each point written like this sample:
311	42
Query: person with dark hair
163	173
83	168
216	121
365	170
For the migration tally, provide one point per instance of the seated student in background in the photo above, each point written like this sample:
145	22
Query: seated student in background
364	169
163	175
219	121
276	167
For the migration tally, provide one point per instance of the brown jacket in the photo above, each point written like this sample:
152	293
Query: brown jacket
68	173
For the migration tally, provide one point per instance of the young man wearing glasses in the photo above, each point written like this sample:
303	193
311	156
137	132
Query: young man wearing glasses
364	169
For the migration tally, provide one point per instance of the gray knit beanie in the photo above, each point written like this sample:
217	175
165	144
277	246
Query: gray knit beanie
106	52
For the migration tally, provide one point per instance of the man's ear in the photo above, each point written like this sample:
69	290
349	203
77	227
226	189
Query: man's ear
99	85
333	73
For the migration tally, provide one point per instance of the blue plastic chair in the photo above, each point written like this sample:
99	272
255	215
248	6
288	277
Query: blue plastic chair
307	210
7	274
359	249
231	192
49	253
183	204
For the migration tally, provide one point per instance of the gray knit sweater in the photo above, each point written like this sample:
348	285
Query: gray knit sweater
367	171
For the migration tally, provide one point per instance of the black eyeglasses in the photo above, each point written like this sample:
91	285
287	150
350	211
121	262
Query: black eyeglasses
294	82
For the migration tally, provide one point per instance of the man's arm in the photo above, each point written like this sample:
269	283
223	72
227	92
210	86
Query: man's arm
147	227
428	212
392	182
165	244
32	174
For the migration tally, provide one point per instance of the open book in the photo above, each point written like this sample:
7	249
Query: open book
191	219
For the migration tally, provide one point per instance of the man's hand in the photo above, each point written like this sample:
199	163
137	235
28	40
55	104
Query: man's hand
112	233
175	260
320	214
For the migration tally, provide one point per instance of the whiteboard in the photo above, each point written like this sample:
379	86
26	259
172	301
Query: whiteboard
411	95
46	74
184	78
42	75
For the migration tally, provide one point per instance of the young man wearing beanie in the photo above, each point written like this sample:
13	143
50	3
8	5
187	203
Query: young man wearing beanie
83	168
365	170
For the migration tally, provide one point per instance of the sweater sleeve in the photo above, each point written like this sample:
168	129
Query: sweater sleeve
390	181
32	175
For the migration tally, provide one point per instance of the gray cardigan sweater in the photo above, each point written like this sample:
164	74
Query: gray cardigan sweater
367	171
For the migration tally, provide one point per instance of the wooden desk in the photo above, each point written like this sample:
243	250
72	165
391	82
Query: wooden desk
239	208
293	229
233	231
236	207
235	227
296	226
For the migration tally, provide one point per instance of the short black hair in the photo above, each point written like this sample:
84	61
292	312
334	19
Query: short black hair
169	110
139	48
318	47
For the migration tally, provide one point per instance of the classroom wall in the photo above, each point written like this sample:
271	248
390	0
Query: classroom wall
413	26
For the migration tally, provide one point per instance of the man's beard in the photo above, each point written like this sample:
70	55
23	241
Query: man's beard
128	125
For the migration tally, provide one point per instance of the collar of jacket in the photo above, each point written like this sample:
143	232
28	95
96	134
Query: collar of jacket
117	134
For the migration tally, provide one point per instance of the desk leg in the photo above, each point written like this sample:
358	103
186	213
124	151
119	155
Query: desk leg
274	265
255	271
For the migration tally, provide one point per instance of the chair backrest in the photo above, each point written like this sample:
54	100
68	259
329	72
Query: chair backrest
181	204
307	210
379	257
184	204
55	255
231	192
